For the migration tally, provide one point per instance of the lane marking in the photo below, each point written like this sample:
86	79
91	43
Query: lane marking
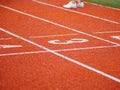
63	56
23	53
52	36
106	32
10	46
62	50
85	14
5	39
57	24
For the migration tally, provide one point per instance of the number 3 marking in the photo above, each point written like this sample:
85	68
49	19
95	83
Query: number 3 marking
74	40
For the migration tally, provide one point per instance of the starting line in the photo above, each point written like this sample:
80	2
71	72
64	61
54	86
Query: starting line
62	50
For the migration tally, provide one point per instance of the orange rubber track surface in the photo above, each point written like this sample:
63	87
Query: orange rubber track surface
46	47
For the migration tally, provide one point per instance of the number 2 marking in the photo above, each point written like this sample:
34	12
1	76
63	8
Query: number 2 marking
71	41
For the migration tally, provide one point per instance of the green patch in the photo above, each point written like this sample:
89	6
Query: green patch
111	3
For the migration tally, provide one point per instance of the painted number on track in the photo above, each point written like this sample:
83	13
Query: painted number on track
116	37
71	41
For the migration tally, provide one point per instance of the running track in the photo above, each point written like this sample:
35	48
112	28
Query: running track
46	47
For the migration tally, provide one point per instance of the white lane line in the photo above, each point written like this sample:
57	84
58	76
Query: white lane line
89	15
10	46
57	24
106	32
23	53
62	50
5	39
52	35
64	57
88	48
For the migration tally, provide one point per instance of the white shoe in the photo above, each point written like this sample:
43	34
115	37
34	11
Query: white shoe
81	5
70	5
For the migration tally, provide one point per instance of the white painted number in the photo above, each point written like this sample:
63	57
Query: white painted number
116	37
74	40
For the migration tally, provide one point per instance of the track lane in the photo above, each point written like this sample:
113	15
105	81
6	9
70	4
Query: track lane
51	72
73	80
56	53
57	24
102	59
92	9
